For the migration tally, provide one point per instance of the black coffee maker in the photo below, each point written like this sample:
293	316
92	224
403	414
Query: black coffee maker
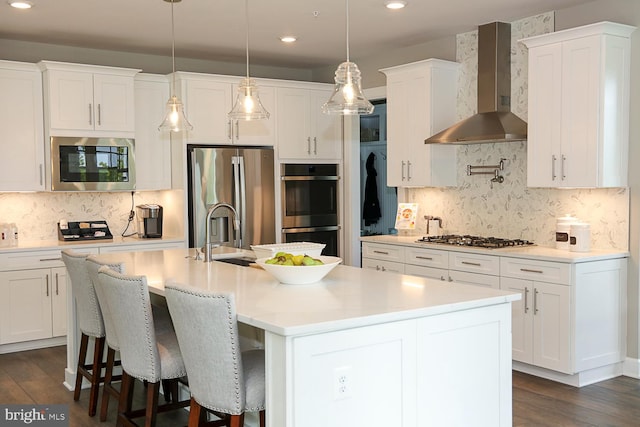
149	221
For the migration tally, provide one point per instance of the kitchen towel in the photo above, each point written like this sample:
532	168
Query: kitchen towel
371	207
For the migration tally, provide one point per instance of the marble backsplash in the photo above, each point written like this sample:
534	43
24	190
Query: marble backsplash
511	209
37	214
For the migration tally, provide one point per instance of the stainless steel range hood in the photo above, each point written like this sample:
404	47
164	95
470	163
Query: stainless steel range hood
494	121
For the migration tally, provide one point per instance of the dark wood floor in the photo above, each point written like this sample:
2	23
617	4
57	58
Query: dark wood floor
36	377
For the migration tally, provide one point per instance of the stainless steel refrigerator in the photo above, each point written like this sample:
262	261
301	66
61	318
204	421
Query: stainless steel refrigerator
240	176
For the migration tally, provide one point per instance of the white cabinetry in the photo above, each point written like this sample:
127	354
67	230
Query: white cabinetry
304	131
383	257
153	147
421	101
571	318
578	120
86	100
208	99
21	128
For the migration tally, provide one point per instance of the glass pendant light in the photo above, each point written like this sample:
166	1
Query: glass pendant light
174	120
248	105
347	97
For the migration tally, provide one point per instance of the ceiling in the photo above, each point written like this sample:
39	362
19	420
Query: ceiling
215	29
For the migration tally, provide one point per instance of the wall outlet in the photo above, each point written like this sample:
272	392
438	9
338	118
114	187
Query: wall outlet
342	383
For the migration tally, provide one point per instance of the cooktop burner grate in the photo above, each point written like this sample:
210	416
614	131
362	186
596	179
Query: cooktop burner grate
476	241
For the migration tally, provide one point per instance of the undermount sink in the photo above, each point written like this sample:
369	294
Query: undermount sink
242	261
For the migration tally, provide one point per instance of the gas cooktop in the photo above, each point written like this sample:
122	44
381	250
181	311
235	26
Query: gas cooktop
475	241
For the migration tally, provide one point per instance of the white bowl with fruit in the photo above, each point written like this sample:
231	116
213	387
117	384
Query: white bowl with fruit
298	269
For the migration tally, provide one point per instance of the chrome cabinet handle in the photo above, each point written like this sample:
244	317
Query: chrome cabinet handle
402	170
99	115
377	268
424	257
57	292
47	280
535	301
381	252
229	129
50	259
553	167
450	279
315	145
237	129
564	158
384	269
408	170
90	115
442	278
528	270
526	299
475	264
309	145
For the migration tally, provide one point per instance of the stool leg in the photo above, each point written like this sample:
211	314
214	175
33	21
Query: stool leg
236	420
262	418
106	391
194	413
126	398
84	343
152	404
96	374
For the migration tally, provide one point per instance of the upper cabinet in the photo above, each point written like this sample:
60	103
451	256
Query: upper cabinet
87	100
421	101
153	147
208	99
21	128
578	119
304	131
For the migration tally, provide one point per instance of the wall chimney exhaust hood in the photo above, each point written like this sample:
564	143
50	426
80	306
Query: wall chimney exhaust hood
494	121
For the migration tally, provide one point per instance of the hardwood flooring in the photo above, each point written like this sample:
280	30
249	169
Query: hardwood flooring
36	377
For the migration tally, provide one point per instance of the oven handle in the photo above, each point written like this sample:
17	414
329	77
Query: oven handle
310	178
310	229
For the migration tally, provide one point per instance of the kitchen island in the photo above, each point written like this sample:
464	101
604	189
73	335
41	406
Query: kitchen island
363	348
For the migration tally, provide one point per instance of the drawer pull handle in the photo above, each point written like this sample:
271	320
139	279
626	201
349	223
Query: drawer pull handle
381	252
528	270
50	259
526	300
57	293
47	285
475	264
535	301
424	257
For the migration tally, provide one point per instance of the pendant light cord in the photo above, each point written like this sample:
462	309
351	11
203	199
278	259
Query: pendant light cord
347	30
246	20
173	53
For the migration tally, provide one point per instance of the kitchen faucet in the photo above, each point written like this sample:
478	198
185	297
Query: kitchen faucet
207	228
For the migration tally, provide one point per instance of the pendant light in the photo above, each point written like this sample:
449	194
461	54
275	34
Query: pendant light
347	97
248	105
174	120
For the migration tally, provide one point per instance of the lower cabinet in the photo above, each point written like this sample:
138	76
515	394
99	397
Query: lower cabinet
33	304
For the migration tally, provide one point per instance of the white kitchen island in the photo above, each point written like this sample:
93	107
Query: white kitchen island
363	348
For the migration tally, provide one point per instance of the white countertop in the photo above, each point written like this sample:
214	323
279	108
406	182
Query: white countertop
530	252
347	297
31	245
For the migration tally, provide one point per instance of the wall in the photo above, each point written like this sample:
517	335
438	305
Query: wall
37	214
511	209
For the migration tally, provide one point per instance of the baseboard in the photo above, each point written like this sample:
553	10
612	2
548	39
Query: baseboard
579	379
631	368
32	345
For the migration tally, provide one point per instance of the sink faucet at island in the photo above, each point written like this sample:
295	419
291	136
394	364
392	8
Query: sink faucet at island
207	228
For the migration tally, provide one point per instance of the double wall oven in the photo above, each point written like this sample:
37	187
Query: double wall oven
310	204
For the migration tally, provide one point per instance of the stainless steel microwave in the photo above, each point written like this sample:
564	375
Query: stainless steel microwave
92	164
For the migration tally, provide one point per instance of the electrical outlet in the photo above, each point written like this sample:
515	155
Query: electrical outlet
342	383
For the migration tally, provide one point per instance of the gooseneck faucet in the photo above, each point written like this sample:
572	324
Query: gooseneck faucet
207	228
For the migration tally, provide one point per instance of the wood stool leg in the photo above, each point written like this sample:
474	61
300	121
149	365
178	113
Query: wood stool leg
126	398
84	343
96	375
262	418
194	413
236	420
107	390
152	404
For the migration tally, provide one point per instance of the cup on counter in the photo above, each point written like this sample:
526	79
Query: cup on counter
580	237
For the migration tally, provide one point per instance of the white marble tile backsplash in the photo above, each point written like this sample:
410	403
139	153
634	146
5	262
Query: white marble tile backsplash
511	209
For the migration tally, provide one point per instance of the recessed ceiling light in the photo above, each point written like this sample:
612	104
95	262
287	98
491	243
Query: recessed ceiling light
288	39
395	4
20	4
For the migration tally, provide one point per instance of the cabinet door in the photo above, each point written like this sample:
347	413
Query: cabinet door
58	291
153	148
551	326
326	131
396	111
544	156
258	132
25	305
21	130
293	121
207	104
521	318
114	104
71	100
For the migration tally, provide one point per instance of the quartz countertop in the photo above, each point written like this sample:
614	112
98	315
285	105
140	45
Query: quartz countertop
348	297
31	245
535	252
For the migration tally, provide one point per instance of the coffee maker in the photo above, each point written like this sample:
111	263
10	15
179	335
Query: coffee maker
149	221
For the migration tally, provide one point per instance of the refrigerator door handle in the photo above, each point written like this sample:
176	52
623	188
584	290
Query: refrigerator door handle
240	195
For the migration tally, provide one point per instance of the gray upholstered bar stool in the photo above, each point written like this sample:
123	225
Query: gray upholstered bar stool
90	322
145	354
222	379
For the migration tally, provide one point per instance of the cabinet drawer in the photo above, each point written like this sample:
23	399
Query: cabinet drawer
474	263
429	272
476	279
36	259
378	265
542	271
427	257
383	252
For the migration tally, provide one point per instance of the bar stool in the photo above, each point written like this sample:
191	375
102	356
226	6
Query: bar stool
147	355
222	379
90	323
